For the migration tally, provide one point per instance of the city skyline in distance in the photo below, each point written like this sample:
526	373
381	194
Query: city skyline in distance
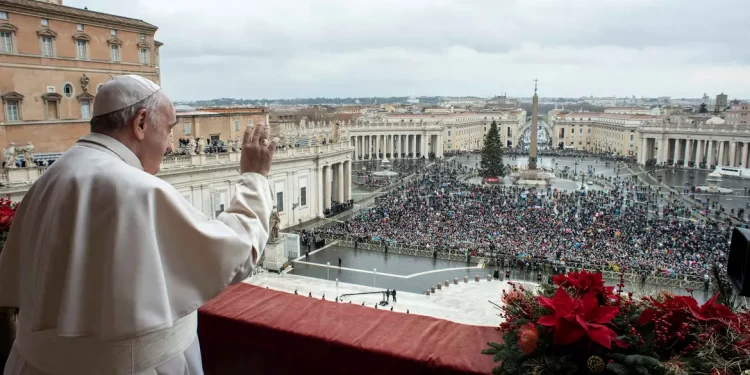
295	49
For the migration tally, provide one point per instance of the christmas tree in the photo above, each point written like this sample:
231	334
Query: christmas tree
492	154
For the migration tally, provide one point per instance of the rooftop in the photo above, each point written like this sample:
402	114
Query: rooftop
33	6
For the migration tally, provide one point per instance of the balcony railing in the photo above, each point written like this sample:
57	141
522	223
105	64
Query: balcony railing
187	161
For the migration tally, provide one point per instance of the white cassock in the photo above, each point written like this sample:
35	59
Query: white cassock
108	265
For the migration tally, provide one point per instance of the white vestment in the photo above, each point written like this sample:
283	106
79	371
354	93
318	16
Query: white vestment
108	265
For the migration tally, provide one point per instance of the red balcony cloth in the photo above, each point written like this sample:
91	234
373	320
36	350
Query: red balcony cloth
252	330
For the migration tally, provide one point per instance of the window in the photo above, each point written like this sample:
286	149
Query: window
6	41
303	196
46	46
144	56
449	133
3	15
11	110
589	130
51	106
581	132
86	109
81	49
113	32
143	37
632	138
186	129
79	27
114	52
280	201
236	125
68	90
45	22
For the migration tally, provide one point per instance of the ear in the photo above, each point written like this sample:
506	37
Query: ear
138	124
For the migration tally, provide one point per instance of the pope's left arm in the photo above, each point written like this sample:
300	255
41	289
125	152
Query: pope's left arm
248	215
201	256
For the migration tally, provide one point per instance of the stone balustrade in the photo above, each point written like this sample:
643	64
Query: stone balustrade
186	161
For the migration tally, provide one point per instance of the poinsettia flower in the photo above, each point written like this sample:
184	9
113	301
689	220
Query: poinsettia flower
678	305
584	282
712	310
572	319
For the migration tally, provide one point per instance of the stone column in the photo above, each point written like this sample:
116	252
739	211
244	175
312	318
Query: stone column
699	152
732	154
663	147
354	144
385	145
710	154
743	161
413	146
439	152
398	146
334	182
348	180
340	182
676	152
721	153
423	145
642	152
376	150
405	145
326	187
688	152
321	194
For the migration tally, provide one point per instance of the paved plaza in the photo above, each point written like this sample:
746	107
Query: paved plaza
377	271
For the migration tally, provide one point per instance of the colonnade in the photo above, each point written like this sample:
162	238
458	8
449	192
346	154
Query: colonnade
334	184
396	146
706	153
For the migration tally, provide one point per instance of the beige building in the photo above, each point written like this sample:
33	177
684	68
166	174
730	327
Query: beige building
216	123
738	114
52	60
597	132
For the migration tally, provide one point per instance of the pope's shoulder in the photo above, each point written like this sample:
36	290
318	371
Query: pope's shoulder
86	167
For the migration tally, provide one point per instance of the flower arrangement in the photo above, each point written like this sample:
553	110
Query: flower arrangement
7	212
580	326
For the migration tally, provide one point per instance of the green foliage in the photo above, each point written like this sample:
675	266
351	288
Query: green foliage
635	364
492	154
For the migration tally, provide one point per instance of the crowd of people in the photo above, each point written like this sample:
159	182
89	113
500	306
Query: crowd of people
439	211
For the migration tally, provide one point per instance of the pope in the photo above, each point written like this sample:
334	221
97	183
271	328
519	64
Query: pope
108	263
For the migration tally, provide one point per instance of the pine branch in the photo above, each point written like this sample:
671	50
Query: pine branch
617	369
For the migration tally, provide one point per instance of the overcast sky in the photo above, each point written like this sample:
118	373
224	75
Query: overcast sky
346	48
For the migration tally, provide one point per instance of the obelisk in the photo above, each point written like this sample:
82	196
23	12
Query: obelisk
534	126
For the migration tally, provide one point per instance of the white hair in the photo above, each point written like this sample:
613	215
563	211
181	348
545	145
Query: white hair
114	121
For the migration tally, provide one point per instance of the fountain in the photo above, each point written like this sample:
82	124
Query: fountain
386	172
713	180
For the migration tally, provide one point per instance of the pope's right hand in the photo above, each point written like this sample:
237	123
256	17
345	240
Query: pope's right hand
257	150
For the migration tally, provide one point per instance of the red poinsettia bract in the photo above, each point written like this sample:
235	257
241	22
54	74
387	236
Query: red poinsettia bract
573	319
683	306
584	282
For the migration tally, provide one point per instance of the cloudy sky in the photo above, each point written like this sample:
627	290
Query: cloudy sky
347	48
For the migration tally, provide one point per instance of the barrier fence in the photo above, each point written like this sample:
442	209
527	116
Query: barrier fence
678	281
